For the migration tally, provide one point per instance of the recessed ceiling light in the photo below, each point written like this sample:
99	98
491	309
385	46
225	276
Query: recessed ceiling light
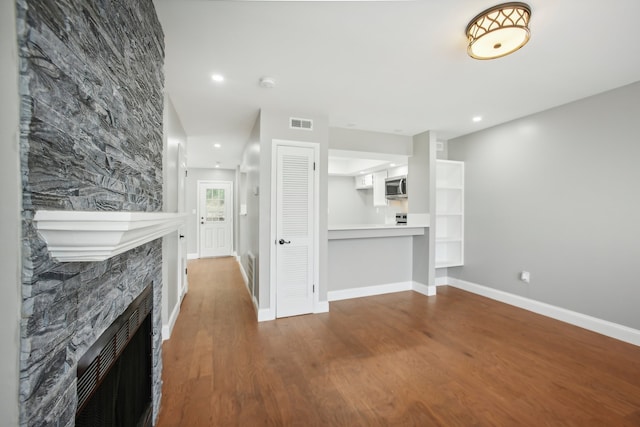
217	165
216	145
217	78
477	119
361	172
392	164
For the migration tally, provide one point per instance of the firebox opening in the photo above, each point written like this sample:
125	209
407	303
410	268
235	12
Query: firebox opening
114	376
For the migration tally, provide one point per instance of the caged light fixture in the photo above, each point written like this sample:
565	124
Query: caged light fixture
499	31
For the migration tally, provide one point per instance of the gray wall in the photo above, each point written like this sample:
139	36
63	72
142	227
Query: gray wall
174	141
275	125
557	194
421	196
372	142
346	204
9	216
195	175
91	84
249	224
356	263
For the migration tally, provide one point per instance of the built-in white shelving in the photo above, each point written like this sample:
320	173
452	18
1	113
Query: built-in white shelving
449	213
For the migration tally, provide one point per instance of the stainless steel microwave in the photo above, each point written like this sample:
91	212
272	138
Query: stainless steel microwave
396	187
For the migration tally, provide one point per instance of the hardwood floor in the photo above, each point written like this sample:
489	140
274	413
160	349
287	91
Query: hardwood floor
400	359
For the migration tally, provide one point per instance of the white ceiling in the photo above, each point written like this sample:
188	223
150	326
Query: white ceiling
387	66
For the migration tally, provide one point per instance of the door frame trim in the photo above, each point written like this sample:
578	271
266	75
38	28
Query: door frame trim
316	222
213	182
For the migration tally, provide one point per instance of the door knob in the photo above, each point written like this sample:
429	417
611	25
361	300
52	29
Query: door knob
283	242
182	236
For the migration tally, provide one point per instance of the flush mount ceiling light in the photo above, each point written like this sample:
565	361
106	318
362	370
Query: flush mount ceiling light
218	78
267	82
499	31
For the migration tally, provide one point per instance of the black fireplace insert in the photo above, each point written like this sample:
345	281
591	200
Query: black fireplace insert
114	375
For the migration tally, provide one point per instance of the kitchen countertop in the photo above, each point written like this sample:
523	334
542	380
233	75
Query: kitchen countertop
336	227
363	231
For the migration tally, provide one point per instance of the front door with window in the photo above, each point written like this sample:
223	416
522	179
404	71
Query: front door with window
215	217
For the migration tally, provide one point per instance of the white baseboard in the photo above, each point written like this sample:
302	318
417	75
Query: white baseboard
604	327
167	329
423	289
193	256
441	281
322	307
367	291
245	278
265	314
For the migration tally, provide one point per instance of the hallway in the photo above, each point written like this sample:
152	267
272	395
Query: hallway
400	359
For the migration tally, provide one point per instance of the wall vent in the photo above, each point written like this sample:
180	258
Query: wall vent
297	123
251	274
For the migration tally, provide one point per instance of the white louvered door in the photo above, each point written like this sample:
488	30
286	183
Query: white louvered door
294	230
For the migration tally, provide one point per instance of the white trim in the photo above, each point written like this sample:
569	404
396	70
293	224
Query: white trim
367	291
245	278
387	288
321	307
423	289
193	255
80	236
265	314
316	226
168	328
604	327
441	281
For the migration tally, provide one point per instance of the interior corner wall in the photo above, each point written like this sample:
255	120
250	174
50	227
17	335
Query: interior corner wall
202	174
556	194
9	216
249	224
421	197
174	141
275	125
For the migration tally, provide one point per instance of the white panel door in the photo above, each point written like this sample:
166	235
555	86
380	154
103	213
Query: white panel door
215	218
294	230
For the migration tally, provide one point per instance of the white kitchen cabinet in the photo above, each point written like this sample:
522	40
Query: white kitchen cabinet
364	182
449	213
379	196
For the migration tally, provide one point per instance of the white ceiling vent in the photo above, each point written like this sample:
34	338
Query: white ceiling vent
304	124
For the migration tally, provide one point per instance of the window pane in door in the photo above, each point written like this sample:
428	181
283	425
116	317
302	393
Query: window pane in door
215	208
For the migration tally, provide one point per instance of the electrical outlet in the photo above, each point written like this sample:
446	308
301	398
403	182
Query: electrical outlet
525	276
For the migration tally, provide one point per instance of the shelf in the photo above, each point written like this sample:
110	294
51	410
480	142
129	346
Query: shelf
80	236
449	263
449	213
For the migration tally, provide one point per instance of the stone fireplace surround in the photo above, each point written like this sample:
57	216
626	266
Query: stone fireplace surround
91	88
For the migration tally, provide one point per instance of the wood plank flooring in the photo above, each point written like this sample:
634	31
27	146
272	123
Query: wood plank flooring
402	359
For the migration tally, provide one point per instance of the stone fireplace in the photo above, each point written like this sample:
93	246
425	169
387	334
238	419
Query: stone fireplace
91	88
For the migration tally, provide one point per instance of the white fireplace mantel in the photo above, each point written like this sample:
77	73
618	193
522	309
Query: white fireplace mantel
80	236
